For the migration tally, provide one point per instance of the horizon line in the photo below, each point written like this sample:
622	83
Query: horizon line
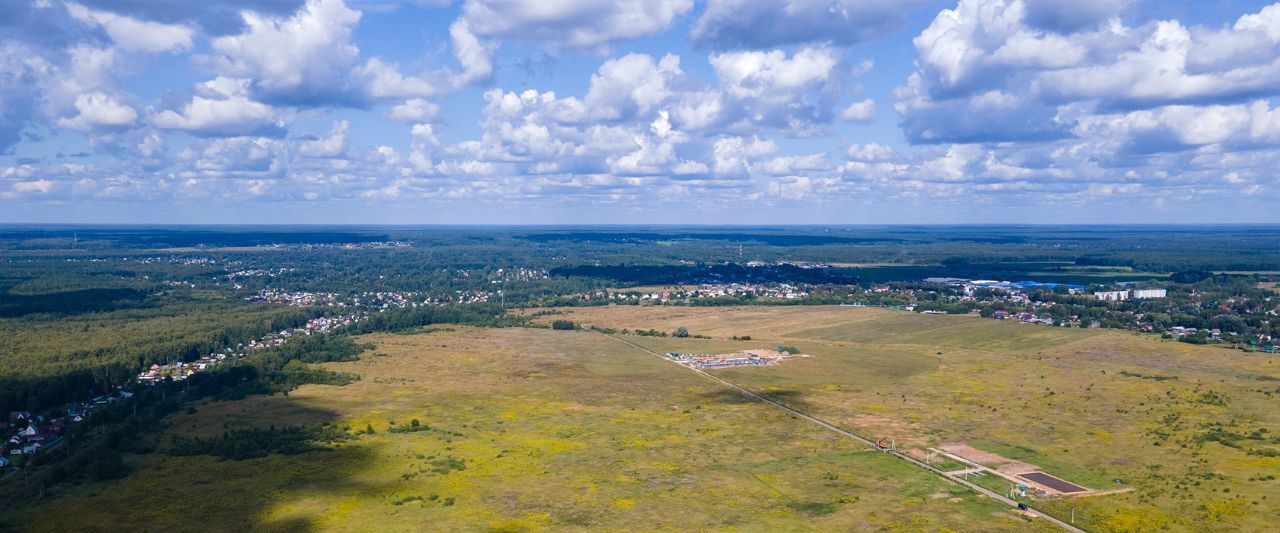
633	225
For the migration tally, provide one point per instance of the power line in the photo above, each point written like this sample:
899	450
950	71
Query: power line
746	392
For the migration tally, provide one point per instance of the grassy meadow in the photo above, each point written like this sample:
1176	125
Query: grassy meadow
525	429
1194	431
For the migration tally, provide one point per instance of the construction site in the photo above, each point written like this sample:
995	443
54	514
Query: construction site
759	357
1025	479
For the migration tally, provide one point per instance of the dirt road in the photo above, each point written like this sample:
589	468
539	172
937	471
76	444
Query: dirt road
831	427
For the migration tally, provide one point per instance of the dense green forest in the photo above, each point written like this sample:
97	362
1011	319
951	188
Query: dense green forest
52	360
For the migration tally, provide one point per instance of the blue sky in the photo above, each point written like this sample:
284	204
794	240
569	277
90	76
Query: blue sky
639	111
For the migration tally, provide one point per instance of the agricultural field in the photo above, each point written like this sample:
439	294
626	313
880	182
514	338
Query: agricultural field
1166	435
718	321
458	428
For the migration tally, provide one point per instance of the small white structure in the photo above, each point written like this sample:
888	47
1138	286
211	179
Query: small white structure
1146	294
1112	296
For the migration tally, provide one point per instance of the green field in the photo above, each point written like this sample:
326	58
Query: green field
535	428
944	330
529	429
1192	430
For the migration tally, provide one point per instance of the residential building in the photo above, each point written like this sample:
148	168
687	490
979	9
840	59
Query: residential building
1112	296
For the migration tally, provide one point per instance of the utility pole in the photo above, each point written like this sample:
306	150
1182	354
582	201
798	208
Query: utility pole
1073	515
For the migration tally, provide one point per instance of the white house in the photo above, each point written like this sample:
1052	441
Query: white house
1112	296
1145	294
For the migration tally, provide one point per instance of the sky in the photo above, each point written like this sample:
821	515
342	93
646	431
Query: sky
639	111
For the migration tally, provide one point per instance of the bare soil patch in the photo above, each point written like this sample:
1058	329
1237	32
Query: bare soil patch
994	461
1054	483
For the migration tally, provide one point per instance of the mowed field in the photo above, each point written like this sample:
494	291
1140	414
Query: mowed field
529	429
1194	431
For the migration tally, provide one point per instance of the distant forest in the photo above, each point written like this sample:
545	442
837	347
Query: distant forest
716	273
83	308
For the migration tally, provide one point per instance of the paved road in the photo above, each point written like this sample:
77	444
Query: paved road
981	490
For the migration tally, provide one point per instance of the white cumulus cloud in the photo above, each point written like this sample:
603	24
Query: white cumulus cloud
98	110
132	34
862	111
332	146
221	107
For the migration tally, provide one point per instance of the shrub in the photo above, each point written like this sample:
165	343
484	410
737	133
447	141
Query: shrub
252	443
109	466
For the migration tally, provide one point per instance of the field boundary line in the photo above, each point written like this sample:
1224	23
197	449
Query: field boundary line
843	432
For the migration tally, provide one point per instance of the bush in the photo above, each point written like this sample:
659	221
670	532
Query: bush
252	443
413	427
108	466
680	332
563	325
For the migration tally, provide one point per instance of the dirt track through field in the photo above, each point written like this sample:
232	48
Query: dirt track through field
829	426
